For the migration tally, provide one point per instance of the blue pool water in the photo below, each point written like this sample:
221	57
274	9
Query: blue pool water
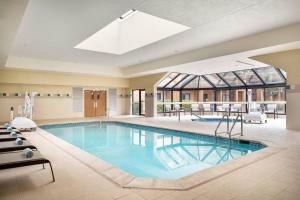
213	119
151	152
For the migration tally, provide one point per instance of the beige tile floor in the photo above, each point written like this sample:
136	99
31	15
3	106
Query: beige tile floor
275	177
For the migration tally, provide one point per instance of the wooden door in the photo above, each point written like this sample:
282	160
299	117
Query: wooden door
100	103
89	103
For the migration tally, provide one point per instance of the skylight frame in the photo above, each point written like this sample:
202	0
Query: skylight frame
125	34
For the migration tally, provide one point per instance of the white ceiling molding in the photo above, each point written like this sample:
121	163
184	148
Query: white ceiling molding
270	41
12	12
59	66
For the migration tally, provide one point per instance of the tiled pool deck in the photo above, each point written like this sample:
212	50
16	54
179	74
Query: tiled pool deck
271	173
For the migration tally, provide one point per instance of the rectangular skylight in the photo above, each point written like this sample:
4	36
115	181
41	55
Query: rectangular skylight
131	31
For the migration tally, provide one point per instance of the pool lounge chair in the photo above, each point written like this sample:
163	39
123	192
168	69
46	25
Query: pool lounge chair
17	159
9	138
6	146
5	132
255	117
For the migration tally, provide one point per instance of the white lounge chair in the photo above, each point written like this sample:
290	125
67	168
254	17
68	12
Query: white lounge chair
255	117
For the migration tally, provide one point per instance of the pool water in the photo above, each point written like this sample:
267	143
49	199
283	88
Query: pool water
214	119
151	152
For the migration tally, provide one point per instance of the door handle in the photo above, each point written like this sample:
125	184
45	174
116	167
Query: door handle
96	104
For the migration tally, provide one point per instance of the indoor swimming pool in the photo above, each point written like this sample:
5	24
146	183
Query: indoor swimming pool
150	152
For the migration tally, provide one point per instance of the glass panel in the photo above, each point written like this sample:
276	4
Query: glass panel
186	80
237	95
257	94
203	83
135	102
159	95
215	80
275	94
167	79
269	75
193	83
249	77
159	99
206	95
231	79
167	95
222	95
176	80
176	96
143	102
283	73
189	95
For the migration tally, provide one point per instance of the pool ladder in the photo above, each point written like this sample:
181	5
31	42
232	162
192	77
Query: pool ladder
229	130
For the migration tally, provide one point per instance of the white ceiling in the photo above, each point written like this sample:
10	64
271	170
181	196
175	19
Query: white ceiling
50	29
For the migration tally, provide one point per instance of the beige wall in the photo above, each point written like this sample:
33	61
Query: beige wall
18	81
286	60
55	78
149	84
146	82
290	62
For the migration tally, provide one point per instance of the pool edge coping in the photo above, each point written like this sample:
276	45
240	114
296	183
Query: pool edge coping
127	180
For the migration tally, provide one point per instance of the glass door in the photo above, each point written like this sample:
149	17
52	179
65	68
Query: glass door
138	102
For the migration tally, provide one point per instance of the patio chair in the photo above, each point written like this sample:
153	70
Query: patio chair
177	108
223	108
207	108
195	108
167	109
17	159
237	108
272	108
6	146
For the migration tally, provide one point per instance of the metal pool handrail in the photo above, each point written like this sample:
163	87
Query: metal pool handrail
229	130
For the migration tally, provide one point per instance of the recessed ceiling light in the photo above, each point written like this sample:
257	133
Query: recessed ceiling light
132	30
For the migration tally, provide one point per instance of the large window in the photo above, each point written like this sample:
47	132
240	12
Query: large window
261	85
206	95
270	75
231	79
249	77
257	94
275	94
216	80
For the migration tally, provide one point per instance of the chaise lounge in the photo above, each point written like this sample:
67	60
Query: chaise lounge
9	138
6	146
17	159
